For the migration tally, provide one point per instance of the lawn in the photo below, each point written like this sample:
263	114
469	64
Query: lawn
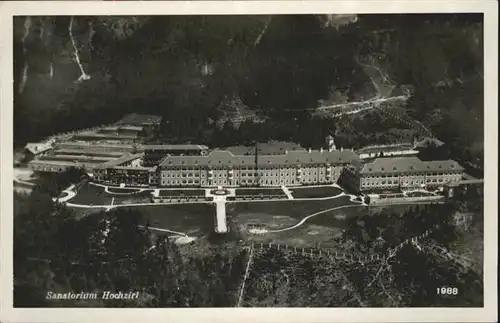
120	190
95	195
315	192
132	199
91	195
193	219
259	191
322	229
294	209
419	194
280	215
181	192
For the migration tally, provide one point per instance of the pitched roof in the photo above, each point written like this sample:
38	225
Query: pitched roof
62	163
82	158
119	161
226	158
266	148
89	152
384	148
393	165
38	147
98	135
174	147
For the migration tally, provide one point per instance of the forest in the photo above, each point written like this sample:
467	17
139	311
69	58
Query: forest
185	68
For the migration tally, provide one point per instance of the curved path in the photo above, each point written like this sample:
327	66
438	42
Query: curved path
106	189
301	222
163	230
71	193
139	190
20	181
109	206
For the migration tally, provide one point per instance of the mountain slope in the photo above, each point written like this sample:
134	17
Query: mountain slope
184	67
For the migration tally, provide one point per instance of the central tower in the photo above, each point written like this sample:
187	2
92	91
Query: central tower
330	143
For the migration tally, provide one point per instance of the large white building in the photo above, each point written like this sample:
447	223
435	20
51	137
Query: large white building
401	173
222	168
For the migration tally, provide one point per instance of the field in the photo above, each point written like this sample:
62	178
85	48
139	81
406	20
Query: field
315	192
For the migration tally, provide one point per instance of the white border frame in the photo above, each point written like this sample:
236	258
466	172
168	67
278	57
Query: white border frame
487	313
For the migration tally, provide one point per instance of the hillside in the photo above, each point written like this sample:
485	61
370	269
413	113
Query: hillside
184	68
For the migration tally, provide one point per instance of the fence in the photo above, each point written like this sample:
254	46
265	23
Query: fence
342	254
463	261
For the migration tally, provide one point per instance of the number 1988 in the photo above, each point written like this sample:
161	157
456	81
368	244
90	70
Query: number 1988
447	291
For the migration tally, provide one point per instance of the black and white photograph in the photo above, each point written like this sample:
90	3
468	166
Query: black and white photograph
250	160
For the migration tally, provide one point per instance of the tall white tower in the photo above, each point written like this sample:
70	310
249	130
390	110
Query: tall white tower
330	142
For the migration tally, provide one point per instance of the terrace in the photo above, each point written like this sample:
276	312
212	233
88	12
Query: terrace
77	158
59	165
95	146
87	152
104	136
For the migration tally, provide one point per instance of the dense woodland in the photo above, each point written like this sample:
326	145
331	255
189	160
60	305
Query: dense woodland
186	68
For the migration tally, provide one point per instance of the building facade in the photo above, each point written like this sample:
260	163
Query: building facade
124	170
34	150
401	173
153	154
222	168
